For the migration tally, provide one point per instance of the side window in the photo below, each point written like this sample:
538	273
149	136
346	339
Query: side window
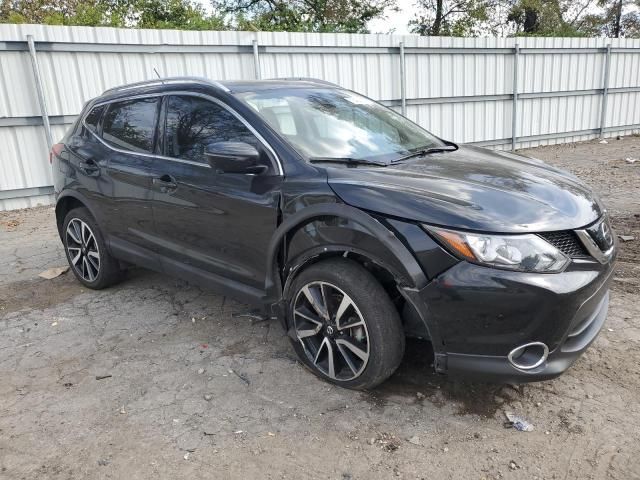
93	118
130	125
193	123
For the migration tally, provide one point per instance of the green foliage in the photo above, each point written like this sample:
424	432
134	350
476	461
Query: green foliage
557	18
176	14
348	16
459	18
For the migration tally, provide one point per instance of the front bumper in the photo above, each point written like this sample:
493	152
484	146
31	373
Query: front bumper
477	315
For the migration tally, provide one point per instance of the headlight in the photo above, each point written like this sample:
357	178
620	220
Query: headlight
526	253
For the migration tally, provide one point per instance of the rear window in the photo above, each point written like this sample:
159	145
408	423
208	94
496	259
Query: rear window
93	118
130	125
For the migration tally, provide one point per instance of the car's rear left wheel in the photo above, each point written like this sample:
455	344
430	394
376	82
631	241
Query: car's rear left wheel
86	251
345	327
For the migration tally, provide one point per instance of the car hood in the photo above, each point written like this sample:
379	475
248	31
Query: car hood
471	188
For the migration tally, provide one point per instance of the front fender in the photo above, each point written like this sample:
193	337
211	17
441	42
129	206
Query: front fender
336	227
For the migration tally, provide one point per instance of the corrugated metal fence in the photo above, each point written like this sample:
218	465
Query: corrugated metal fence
499	92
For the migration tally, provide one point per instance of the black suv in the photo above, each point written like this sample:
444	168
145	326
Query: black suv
351	224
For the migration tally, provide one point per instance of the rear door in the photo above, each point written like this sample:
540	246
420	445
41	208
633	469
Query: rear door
85	164
213	225
128	132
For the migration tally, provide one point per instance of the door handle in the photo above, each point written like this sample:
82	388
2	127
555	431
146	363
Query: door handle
89	167
165	183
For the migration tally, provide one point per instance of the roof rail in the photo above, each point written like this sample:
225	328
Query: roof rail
309	79
164	81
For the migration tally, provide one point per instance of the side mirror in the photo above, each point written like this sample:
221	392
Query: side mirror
234	157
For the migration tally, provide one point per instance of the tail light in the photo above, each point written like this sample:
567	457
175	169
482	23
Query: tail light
55	151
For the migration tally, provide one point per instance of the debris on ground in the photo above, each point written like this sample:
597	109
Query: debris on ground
513	465
415	440
200	371
208	397
631	160
122	410
603	142
102	377
386	441
11	224
517	422
53	272
626	238
240	376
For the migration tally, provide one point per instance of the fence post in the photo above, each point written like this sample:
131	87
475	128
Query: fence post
514	108
40	91
605	89
256	60
403	81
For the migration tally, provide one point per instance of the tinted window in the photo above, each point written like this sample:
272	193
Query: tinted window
93	118
130	125
193	123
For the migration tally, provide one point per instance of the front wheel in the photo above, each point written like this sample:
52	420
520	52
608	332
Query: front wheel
346	328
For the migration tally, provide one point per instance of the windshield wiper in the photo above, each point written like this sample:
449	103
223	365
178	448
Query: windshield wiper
426	151
347	160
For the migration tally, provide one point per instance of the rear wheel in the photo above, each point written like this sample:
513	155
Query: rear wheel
86	251
347	330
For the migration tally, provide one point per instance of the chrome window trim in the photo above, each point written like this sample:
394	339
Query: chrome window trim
265	144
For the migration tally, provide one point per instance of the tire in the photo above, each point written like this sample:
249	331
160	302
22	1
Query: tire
86	251
358	323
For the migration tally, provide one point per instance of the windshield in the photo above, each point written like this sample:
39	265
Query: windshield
334	124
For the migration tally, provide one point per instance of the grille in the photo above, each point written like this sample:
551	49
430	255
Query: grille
567	242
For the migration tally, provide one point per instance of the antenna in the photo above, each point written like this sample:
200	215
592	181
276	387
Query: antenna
158	75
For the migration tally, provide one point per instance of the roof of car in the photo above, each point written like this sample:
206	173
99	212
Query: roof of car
230	86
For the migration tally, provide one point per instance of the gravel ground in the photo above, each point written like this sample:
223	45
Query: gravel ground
195	390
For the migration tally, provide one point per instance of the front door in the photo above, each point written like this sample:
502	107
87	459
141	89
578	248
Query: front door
211	225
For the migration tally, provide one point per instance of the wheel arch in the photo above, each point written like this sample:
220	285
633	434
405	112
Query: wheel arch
307	237
66	202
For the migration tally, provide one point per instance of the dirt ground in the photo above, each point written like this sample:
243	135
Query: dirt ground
195	390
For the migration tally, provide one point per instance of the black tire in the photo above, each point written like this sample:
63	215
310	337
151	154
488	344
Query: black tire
108	271
335	279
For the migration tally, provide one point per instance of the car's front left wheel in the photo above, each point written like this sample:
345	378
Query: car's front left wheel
86	251
345	327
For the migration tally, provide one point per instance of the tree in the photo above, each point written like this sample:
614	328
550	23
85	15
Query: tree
560	18
541	18
564	18
615	19
348	16
453	17
179	14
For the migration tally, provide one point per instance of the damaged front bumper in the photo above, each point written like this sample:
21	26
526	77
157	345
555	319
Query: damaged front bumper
477	316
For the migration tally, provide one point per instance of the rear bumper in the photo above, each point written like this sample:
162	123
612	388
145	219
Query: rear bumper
477	315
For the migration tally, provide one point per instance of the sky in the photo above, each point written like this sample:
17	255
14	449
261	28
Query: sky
395	20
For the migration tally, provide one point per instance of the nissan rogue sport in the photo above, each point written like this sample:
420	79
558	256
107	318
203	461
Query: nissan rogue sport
350	223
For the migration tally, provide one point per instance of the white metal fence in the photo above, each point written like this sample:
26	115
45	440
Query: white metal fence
498	92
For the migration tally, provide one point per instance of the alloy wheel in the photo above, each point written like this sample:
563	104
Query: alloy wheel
83	250
332	331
